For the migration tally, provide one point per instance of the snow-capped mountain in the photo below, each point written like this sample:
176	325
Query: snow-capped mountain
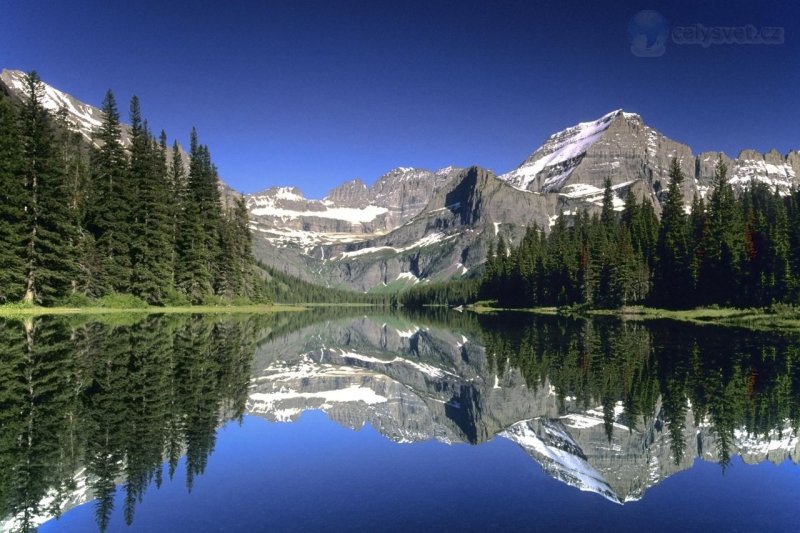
82	117
441	230
622	147
414	225
351	212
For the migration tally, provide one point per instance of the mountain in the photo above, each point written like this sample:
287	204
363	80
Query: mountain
352	239
415	225
622	147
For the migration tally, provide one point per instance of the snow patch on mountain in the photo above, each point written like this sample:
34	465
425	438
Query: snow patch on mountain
265	401
559	153
748	171
594	195
427	240
83	118
267	207
425	368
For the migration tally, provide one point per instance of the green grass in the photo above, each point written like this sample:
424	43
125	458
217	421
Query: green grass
778	317
11	310
488	307
783	317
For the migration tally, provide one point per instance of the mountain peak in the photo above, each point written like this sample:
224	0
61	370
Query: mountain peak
282	193
558	155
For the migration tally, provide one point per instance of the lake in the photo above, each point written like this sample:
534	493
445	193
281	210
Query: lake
335	420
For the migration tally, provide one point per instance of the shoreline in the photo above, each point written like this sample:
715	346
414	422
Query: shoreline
756	319
16	311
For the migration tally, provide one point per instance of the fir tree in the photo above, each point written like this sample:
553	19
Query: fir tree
151	239
13	199
109	212
724	245
607	216
199	238
671	276
50	229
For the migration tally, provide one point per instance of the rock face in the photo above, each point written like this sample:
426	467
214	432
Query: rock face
447	239
413	382
621	147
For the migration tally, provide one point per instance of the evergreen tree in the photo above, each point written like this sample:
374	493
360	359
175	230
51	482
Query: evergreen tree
151	246
724	245
109	210
178	195
13	200
193	275
671	276
50	229
697	227
607	216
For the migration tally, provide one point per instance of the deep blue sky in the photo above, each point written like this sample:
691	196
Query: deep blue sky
313	93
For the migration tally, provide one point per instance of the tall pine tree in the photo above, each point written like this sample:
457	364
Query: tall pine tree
50	229
12	208
109	214
151	237
671	276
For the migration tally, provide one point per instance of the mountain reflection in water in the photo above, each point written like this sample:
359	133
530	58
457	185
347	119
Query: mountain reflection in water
606	406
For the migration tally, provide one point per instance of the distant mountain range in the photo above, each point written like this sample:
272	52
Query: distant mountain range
415	225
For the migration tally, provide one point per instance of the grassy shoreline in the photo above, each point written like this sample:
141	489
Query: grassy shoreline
23	310
759	319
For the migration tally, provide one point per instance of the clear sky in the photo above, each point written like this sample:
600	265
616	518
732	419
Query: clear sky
313	93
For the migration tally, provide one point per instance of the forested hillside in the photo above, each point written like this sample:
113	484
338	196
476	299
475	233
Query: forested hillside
85	220
735	251
281	287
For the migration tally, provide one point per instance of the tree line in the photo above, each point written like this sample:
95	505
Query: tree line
284	288
84	220
732	250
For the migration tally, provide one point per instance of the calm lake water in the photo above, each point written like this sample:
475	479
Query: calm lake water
333	420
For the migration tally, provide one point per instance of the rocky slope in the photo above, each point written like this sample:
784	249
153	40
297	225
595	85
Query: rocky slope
620	146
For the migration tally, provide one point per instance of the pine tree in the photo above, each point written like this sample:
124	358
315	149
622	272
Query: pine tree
671	276
13	199
607	216
109	212
50	230
199	236
151	246
697	236
724	246
178	194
